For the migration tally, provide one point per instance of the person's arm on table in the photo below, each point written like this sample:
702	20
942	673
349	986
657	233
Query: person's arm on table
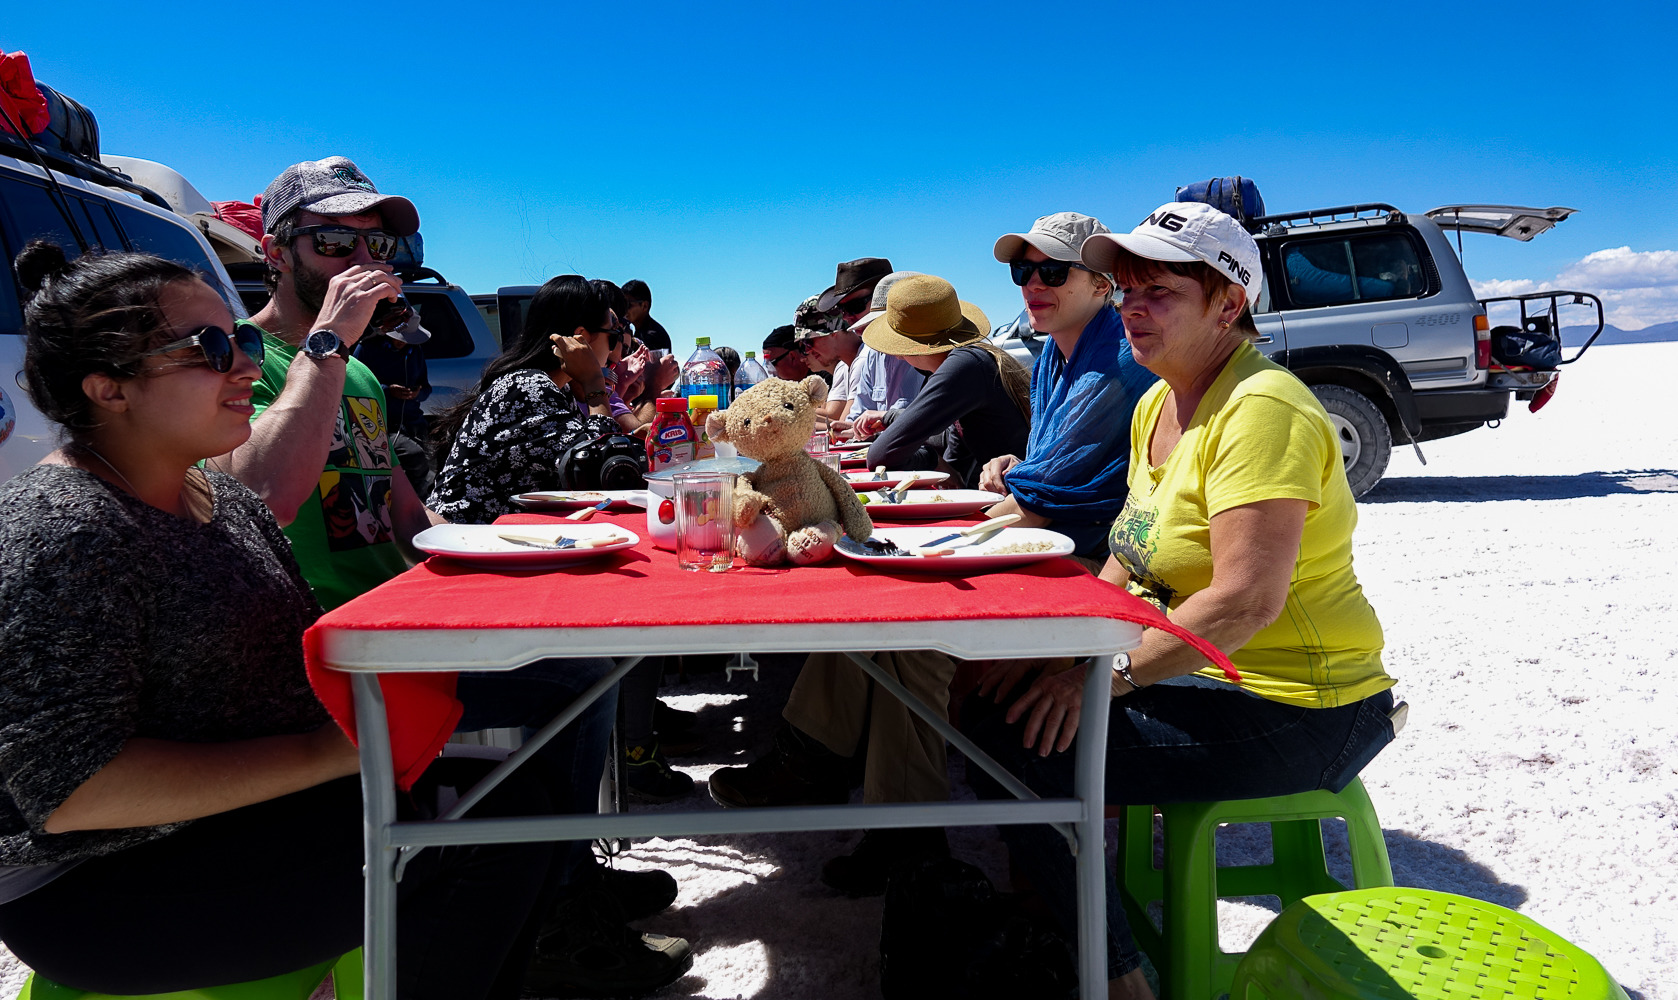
1254	549
991	478
151	782
408	513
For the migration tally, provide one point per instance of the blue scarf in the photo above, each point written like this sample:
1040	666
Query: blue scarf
1078	456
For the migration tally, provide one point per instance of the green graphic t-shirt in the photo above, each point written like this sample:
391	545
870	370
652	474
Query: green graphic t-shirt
1258	434
342	535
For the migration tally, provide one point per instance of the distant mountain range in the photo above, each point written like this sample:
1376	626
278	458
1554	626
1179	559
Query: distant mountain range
1574	336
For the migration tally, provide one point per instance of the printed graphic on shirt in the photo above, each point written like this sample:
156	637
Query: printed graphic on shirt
1134	541
354	506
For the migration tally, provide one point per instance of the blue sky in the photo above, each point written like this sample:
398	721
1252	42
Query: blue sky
730	156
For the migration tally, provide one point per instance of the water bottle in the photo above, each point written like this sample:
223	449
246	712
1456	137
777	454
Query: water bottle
750	374
705	374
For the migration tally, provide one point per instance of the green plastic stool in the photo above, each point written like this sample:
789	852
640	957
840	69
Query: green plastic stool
1399	944
1185	951
346	984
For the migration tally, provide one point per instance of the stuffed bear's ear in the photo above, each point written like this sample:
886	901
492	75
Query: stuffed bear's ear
817	389
716	426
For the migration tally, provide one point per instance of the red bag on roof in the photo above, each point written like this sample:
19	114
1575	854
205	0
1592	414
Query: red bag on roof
19	95
241	215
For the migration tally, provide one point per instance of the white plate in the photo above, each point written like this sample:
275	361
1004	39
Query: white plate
919	505
482	544
578	499
849	446
861	481
964	557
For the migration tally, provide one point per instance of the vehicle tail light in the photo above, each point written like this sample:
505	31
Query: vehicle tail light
1482	343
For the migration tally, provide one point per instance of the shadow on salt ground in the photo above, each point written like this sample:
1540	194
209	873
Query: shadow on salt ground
1424	489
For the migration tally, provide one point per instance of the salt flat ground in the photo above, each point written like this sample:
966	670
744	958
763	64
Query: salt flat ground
1525	577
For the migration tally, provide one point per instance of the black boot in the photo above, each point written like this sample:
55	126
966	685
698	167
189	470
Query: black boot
864	871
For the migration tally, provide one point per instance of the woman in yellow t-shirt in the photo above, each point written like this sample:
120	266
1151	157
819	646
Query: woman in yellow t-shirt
1239	525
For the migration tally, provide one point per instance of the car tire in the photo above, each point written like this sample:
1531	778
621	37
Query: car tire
1366	443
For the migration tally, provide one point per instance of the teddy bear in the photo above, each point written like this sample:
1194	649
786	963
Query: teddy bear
793	508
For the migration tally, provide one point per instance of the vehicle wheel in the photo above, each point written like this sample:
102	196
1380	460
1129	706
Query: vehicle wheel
1366	443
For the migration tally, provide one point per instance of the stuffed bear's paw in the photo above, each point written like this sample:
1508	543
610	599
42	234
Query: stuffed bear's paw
812	544
746	510
762	542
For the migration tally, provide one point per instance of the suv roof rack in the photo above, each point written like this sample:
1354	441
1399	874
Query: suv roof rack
1374	211
82	169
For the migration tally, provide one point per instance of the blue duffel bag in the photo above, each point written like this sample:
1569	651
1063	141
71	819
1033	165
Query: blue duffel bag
1237	197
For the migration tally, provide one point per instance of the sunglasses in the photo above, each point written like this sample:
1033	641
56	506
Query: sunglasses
855	307
1053	272
340	241
217	345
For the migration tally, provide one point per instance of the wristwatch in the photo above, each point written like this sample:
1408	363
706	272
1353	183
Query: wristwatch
323	344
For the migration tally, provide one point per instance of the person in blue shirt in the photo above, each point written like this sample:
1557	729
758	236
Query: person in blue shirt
1083	390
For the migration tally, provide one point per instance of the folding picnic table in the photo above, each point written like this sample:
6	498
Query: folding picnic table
384	665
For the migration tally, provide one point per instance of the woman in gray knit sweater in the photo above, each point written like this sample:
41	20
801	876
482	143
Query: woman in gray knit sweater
176	809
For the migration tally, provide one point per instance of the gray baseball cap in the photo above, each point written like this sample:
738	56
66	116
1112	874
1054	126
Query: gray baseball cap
334	186
1061	236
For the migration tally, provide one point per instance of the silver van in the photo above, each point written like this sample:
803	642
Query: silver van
1371	308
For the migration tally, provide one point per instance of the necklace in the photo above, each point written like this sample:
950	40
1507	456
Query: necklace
108	465
185	501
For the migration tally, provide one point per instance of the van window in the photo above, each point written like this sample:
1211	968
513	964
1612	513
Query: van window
166	239
97	224
1362	268
449	336
35	215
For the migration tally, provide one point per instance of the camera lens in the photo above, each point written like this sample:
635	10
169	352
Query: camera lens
620	472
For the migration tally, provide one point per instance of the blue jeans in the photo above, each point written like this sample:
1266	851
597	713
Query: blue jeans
1174	742
571	763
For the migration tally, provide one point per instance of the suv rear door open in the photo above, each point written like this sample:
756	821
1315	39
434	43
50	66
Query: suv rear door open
1513	221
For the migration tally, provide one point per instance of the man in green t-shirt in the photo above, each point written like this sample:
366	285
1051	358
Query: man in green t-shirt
320	456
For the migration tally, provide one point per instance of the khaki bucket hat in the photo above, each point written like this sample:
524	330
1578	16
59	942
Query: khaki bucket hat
923	316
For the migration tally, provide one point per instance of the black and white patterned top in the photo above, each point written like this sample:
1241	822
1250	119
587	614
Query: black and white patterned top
511	443
122	620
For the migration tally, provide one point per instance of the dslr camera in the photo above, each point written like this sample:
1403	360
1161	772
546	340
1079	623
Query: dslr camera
607	462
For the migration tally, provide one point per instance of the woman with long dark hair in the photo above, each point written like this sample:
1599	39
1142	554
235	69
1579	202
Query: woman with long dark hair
176	809
510	432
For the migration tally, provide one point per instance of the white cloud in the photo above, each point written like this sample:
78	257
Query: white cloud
1638	288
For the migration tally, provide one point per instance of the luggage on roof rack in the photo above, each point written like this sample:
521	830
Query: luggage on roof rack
71	128
1238	197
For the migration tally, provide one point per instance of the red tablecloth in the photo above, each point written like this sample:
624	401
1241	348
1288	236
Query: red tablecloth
642	587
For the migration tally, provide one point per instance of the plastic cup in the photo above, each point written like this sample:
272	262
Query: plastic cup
705	521
831	459
817	445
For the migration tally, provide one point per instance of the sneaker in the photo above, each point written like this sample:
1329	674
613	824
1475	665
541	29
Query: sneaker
651	778
864	871
790	774
639	894
584	950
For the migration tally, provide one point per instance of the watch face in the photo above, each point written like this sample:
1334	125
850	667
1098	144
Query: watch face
321	343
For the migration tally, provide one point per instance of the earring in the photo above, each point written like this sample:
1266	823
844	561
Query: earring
1224	325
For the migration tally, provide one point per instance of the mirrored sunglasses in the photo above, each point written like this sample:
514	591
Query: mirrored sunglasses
340	241
1053	272
217	345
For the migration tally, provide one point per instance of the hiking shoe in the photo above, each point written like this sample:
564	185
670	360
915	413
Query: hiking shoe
865	871
650	777
790	774
585	950
639	894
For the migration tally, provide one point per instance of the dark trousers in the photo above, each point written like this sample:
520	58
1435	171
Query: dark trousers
275	887
570	764
1174	743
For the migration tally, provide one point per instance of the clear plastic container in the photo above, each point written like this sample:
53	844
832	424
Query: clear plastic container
749	374
705	374
700	407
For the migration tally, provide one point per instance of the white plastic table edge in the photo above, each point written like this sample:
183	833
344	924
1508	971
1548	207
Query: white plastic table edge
452	649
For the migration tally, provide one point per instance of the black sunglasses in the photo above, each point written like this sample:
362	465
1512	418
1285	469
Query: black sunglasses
340	241
217	345
1053	272
855	307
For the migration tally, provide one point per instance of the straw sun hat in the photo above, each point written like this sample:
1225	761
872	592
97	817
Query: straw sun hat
923	316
